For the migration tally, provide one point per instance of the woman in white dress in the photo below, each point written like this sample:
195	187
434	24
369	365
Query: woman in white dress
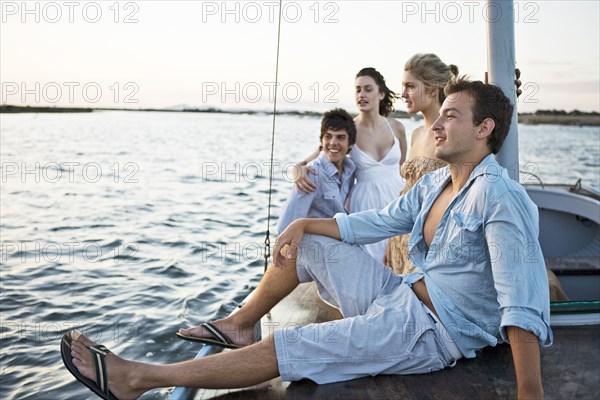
378	153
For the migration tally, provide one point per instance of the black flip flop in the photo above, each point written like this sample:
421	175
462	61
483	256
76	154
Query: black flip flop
99	353
219	338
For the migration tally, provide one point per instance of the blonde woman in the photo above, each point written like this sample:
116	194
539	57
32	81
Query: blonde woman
425	76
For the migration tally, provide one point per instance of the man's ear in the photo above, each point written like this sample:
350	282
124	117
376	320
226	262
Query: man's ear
485	128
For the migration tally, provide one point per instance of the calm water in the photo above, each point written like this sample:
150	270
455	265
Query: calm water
130	225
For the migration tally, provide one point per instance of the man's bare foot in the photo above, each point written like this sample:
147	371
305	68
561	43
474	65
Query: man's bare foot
121	373
239	335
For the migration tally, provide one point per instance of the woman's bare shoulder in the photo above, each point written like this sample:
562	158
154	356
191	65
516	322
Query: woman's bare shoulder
418	132
397	127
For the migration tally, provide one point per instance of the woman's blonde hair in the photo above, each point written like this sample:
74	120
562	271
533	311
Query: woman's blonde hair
429	69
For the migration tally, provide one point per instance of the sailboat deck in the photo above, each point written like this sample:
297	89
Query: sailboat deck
570	368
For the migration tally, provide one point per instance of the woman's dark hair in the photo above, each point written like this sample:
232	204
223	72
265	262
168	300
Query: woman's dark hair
386	106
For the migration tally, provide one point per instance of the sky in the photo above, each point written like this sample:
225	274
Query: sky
161	54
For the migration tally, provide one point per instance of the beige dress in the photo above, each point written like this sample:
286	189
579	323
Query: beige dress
397	251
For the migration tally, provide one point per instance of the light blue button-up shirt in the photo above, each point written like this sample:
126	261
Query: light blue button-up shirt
329	197
484	269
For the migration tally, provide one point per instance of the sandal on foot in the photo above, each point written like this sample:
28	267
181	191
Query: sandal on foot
99	352
218	337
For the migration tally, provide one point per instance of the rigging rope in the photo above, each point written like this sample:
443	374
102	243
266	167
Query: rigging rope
268	234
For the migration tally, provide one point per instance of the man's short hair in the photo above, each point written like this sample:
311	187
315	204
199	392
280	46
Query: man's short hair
338	119
487	101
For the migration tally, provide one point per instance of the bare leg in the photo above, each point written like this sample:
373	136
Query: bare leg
239	327
232	369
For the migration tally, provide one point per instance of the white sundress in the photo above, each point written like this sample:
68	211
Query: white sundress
377	184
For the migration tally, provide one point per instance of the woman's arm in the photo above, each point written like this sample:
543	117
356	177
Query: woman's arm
400	133
312	156
300	173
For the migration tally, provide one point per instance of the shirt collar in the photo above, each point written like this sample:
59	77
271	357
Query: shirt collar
487	166
331	170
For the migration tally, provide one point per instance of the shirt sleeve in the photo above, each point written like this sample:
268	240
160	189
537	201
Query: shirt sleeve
297	206
371	226
518	266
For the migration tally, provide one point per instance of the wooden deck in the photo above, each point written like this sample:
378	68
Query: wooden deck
570	368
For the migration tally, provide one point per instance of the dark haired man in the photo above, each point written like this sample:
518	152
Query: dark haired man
335	173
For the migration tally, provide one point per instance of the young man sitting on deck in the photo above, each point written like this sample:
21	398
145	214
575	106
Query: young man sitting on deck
333	183
336	177
482	280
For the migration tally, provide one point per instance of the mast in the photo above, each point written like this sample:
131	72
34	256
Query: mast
501	67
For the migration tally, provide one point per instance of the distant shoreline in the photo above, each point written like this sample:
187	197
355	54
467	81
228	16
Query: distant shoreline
10	109
587	119
538	118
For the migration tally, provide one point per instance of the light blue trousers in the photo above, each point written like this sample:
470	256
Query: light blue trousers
385	329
